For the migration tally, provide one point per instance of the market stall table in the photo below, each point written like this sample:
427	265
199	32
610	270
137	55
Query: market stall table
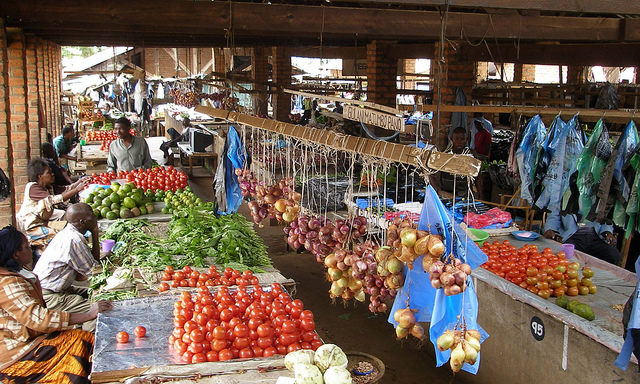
92	153
543	342
186	152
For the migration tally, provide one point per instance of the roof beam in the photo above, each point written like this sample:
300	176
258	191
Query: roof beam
254	23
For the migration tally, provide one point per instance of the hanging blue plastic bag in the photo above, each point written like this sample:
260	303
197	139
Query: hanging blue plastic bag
591	164
235	159
527	153
627	145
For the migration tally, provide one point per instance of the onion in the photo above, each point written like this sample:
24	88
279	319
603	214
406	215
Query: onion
453	290
466	268
447	279
355	284
312	234
408	237
344	229
417	331
263	213
371	268
296	244
238	171
402	333
445	341
460	277
472	333
420	248
373	291
405	318
436	283
473	342
470	353
280	206
382	307
288	217
342	282
457	358
335	290
360	296
294	224
314	224
331	261
435	245
296	196
394	265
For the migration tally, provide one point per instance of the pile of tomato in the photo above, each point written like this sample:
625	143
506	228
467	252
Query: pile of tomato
543	273
188	277
246	323
158	178
104	135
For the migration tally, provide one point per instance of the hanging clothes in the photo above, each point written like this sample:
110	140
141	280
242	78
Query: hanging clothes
632	327
526	156
623	179
633	206
459	119
138	98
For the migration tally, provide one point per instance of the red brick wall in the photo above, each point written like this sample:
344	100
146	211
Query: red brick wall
30	83
454	74
282	77
193	58
528	72
381	73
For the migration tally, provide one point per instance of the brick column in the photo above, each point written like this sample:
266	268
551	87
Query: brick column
259	69
482	71
7	209
33	122
575	74
517	73
18	117
455	74
42	115
218	60
528	73
282	77
57	85
382	71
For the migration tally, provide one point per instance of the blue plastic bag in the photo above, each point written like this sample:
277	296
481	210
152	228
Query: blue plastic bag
527	153
432	305
235	159
627	145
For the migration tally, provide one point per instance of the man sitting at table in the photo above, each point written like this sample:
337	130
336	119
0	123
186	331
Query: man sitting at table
64	143
176	137
68	258
594	239
128	152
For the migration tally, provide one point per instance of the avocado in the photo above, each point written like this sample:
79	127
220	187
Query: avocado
584	311
562	301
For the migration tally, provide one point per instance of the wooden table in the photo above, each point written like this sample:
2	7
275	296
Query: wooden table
185	151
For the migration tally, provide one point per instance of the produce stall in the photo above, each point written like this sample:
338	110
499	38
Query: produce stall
553	342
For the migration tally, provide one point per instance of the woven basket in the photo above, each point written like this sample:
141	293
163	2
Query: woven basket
356	357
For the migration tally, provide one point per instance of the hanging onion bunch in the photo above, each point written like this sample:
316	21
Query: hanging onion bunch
393	232
350	229
248	182
451	276
407	324
343	284
464	346
384	284
259	211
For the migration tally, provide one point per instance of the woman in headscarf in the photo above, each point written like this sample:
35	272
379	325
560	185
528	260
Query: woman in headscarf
37	210
38	345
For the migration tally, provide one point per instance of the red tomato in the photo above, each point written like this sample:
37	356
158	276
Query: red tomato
241	330
163	287
225	355
282	349
196	335
212	356
140	331
287	339
289	326
264	342
245	353
265	330
219	333
241	342
218	345
306	314
293	347
269	351
122	337
226	314
315	344
199	358
187	357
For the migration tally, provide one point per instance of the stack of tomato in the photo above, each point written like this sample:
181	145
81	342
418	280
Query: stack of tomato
166	179
188	277
543	273
242	324
104	135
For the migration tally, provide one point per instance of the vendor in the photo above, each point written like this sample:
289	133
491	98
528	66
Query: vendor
64	143
38	344
37	210
176	137
457	145
62	178
478	117
68	258
127	152
480	141
594	239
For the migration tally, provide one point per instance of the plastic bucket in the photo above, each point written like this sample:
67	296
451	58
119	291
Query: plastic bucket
107	245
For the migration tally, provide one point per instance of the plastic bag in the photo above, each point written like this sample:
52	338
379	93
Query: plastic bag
526	155
627	143
320	196
235	159
591	164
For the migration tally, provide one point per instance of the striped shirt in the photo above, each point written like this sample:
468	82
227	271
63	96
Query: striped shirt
24	318
67	254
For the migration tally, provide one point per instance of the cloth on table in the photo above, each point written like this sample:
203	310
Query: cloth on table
60	358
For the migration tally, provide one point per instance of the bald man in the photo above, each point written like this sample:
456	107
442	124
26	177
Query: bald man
68	258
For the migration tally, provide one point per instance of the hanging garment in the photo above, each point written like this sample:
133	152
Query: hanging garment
137	97
459	119
527	153
634	324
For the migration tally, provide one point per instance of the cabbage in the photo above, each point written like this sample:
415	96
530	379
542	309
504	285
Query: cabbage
307	374
303	356
337	375
330	355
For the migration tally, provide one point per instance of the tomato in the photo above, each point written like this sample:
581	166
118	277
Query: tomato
293	347
287	339
241	342
122	337
269	351
196	335
218	345
140	331
201	319
180	346
195	347
315	344
199	358
187	357
265	330
168	269
289	326
241	330
307	325
308	336
212	356
226	314
225	355
190	326
257	351
306	314
282	350
219	333
264	342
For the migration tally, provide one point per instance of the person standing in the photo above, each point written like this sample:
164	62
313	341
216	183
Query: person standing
64	144
481	141
486	124
68	258
127	152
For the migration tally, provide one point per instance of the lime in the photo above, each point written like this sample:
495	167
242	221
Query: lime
125	188
96	212
104	211
138	198
115	186
188	189
111	215
115	198
129	202
165	210
108	191
143	210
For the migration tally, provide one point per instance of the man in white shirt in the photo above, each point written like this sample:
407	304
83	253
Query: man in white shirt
128	152
68	258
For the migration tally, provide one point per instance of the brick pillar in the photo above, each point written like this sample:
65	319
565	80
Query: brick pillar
455	74
33	122
42	115
575	74
282	77
382	71
517	73
7	209
57	85
18	117
259	69
528	73
482	71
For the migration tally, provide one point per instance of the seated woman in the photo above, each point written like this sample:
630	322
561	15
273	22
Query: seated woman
37	210
39	345
62	178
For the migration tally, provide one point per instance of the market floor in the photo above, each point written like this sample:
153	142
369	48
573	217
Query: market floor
352	328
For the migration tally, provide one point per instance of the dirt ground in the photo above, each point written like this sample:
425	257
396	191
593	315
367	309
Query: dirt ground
352	327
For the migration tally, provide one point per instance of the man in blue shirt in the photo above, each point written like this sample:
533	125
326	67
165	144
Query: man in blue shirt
594	239
64	143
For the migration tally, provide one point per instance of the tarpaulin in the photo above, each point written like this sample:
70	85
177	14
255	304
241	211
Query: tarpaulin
235	159
432	305
527	153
